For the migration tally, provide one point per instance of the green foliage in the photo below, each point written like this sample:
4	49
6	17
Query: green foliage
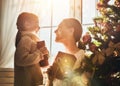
104	41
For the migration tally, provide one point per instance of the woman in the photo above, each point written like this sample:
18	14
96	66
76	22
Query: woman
69	33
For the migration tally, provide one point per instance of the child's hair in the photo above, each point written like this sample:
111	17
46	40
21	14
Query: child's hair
27	22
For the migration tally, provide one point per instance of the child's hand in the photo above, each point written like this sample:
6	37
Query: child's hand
40	44
44	50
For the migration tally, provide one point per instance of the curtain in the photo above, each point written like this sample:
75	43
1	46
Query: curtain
9	11
7	33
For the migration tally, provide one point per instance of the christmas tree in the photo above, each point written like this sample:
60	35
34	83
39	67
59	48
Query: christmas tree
103	42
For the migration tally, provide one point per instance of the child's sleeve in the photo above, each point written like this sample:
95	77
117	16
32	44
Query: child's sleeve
24	56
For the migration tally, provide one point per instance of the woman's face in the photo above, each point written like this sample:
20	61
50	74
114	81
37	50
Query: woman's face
62	33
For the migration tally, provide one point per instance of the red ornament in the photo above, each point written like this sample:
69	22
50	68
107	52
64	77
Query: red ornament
99	6
86	38
92	47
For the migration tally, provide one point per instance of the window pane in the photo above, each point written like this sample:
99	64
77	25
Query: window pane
44	34
60	10
111	2
78	9
89	11
45	12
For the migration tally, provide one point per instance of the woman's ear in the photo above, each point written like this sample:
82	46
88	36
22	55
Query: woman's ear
72	30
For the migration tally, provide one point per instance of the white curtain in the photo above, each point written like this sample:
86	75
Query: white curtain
9	11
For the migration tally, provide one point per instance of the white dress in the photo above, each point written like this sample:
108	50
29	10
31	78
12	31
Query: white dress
79	80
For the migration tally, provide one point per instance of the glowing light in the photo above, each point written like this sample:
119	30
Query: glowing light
65	60
66	72
112	37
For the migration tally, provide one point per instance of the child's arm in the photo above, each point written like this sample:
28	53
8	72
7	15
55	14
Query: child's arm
24	56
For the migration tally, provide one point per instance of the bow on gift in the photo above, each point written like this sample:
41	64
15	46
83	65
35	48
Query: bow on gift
113	49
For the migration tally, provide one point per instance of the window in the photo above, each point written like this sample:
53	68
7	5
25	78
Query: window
52	13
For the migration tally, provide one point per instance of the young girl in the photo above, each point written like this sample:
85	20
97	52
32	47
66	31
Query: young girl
28	54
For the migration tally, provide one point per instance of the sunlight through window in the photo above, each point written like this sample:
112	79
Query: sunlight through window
52	15
52	12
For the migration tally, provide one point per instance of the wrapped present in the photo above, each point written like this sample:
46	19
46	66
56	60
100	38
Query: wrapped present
62	66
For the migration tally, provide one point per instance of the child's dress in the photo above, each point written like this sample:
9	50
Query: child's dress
27	58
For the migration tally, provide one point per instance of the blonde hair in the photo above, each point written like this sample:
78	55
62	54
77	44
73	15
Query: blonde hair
72	22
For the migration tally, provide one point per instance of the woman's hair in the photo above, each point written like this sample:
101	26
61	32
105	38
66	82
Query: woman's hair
27	22
72	22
